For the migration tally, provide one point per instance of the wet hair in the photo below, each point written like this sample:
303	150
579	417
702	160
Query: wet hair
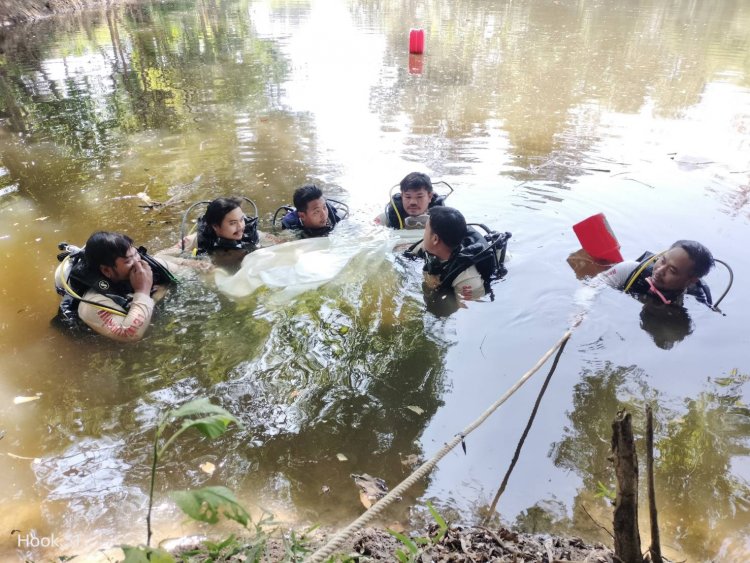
701	256
448	224
416	181
218	208
104	248
215	213
304	195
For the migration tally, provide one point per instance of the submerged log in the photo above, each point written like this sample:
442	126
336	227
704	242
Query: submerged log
627	537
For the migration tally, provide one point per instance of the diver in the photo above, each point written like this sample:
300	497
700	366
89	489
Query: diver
312	215
110	285
459	257
408	209
224	232
665	277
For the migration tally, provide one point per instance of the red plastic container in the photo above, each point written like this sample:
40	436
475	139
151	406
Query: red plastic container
416	41
597	238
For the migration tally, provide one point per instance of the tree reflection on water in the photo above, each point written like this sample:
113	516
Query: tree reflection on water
695	448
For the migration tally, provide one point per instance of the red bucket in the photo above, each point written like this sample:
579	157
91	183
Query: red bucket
597	238
416	41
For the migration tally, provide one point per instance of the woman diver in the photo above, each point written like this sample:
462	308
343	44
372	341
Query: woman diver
224	232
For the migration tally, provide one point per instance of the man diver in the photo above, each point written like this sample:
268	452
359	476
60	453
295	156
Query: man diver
312	215
457	256
667	276
408	209
111	285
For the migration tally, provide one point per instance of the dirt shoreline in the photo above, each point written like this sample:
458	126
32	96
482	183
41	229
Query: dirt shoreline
457	543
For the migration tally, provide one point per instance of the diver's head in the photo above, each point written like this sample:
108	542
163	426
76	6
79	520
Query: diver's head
682	265
311	206
225	217
416	193
111	254
445	230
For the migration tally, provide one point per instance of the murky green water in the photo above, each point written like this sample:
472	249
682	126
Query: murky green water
538	113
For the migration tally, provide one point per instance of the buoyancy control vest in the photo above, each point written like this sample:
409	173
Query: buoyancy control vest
74	279
291	220
397	215
485	251
208	242
636	283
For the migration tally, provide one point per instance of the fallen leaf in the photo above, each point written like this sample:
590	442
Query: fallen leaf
207	467
342	457
415	409
21	400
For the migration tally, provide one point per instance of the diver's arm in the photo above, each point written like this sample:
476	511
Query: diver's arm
172	259
617	276
469	284
190	243
382	219
129	328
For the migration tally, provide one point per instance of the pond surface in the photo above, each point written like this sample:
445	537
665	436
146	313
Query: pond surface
539	114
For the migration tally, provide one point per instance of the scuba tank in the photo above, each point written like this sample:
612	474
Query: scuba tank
485	251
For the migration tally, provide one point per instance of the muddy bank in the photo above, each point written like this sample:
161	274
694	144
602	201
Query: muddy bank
17	11
454	544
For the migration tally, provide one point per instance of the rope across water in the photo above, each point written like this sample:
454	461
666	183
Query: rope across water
342	536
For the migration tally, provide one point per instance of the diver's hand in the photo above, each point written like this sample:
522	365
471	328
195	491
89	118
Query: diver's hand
141	277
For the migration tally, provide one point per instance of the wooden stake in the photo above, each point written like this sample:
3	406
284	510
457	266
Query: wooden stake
627	537
655	547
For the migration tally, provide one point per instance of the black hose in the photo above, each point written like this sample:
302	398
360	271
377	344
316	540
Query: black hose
729	286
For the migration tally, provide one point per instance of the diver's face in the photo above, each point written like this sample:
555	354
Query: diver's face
430	240
416	202
316	215
121	270
232	226
674	270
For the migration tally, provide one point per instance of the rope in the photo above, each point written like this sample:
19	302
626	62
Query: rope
342	536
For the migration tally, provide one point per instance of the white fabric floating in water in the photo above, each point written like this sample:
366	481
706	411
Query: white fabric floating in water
302	265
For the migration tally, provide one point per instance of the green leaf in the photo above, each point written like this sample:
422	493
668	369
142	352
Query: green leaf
404	540
201	407
211	426
442	524
210	503
142	554
603	491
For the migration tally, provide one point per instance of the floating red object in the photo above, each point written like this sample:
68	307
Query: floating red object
416	41
597	238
